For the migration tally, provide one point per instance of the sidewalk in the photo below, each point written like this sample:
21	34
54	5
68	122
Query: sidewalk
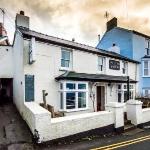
13	130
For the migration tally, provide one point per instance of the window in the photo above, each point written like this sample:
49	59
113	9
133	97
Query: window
146	68
65	59
146	92
74	96
147	46
122	92
125	67
101	63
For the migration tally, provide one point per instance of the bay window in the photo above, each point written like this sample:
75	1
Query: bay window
73	95
122	92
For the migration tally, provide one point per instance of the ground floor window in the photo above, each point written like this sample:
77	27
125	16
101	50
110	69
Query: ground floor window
146	92
122	92
73	95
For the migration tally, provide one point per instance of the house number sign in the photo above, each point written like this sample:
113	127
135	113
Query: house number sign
115	65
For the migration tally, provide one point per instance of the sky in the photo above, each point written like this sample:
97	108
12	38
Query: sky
80	19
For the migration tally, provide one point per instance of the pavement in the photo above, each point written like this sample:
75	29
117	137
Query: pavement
14	132
15	135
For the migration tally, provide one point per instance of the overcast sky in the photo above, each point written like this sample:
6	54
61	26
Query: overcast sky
79	19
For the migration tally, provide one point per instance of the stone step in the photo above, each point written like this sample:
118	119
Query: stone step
129	127
126	122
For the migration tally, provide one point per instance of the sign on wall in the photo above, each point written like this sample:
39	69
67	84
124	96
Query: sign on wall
113	64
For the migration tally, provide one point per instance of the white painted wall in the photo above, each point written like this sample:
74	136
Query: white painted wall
6	62
18	71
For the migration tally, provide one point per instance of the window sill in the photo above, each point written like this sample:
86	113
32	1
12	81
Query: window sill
146	76
73	110
65	69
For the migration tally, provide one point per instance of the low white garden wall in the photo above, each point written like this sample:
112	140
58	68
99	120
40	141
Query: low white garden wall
52	128
136	114
69	125
145	115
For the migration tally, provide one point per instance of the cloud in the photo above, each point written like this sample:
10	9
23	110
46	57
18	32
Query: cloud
81	19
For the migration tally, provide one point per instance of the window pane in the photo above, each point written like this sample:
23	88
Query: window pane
65	63
146	93
119	97
146	72
61	101
131	95
81	86
70	86
61	86
145	64
81	99
65	55
70	100
125	86
119	87
125	96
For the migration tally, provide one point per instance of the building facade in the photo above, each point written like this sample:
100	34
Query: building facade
77	78
133	45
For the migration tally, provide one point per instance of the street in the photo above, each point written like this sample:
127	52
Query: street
140	141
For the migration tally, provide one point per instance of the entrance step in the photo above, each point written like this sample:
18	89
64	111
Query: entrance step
129	127
126	122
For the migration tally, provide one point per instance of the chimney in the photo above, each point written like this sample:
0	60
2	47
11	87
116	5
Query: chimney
22	20
3	32
111	23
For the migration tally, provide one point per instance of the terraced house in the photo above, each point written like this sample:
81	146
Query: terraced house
72	78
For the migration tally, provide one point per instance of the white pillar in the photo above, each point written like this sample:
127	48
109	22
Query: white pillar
118	109
134	111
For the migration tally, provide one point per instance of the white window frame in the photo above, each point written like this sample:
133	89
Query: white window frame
146	68
147	47
122	90
103	65
70	61
124	67
76	90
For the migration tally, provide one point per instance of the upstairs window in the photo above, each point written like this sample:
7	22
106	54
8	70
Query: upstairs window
65	59
101	64
146	68
125	67
147	47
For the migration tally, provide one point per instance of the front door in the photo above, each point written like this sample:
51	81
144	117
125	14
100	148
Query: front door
100	98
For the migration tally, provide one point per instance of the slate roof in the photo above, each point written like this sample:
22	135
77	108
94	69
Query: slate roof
93	77
70	44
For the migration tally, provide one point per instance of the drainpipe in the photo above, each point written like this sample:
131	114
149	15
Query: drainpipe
128	88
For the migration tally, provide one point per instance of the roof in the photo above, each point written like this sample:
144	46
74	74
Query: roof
133	31
70	44
93	77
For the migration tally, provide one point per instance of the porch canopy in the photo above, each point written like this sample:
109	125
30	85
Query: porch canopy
93	77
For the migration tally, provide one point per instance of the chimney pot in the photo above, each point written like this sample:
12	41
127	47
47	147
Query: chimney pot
22	12
73	39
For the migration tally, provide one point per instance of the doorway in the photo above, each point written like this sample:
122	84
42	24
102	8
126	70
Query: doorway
100	98
6	90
